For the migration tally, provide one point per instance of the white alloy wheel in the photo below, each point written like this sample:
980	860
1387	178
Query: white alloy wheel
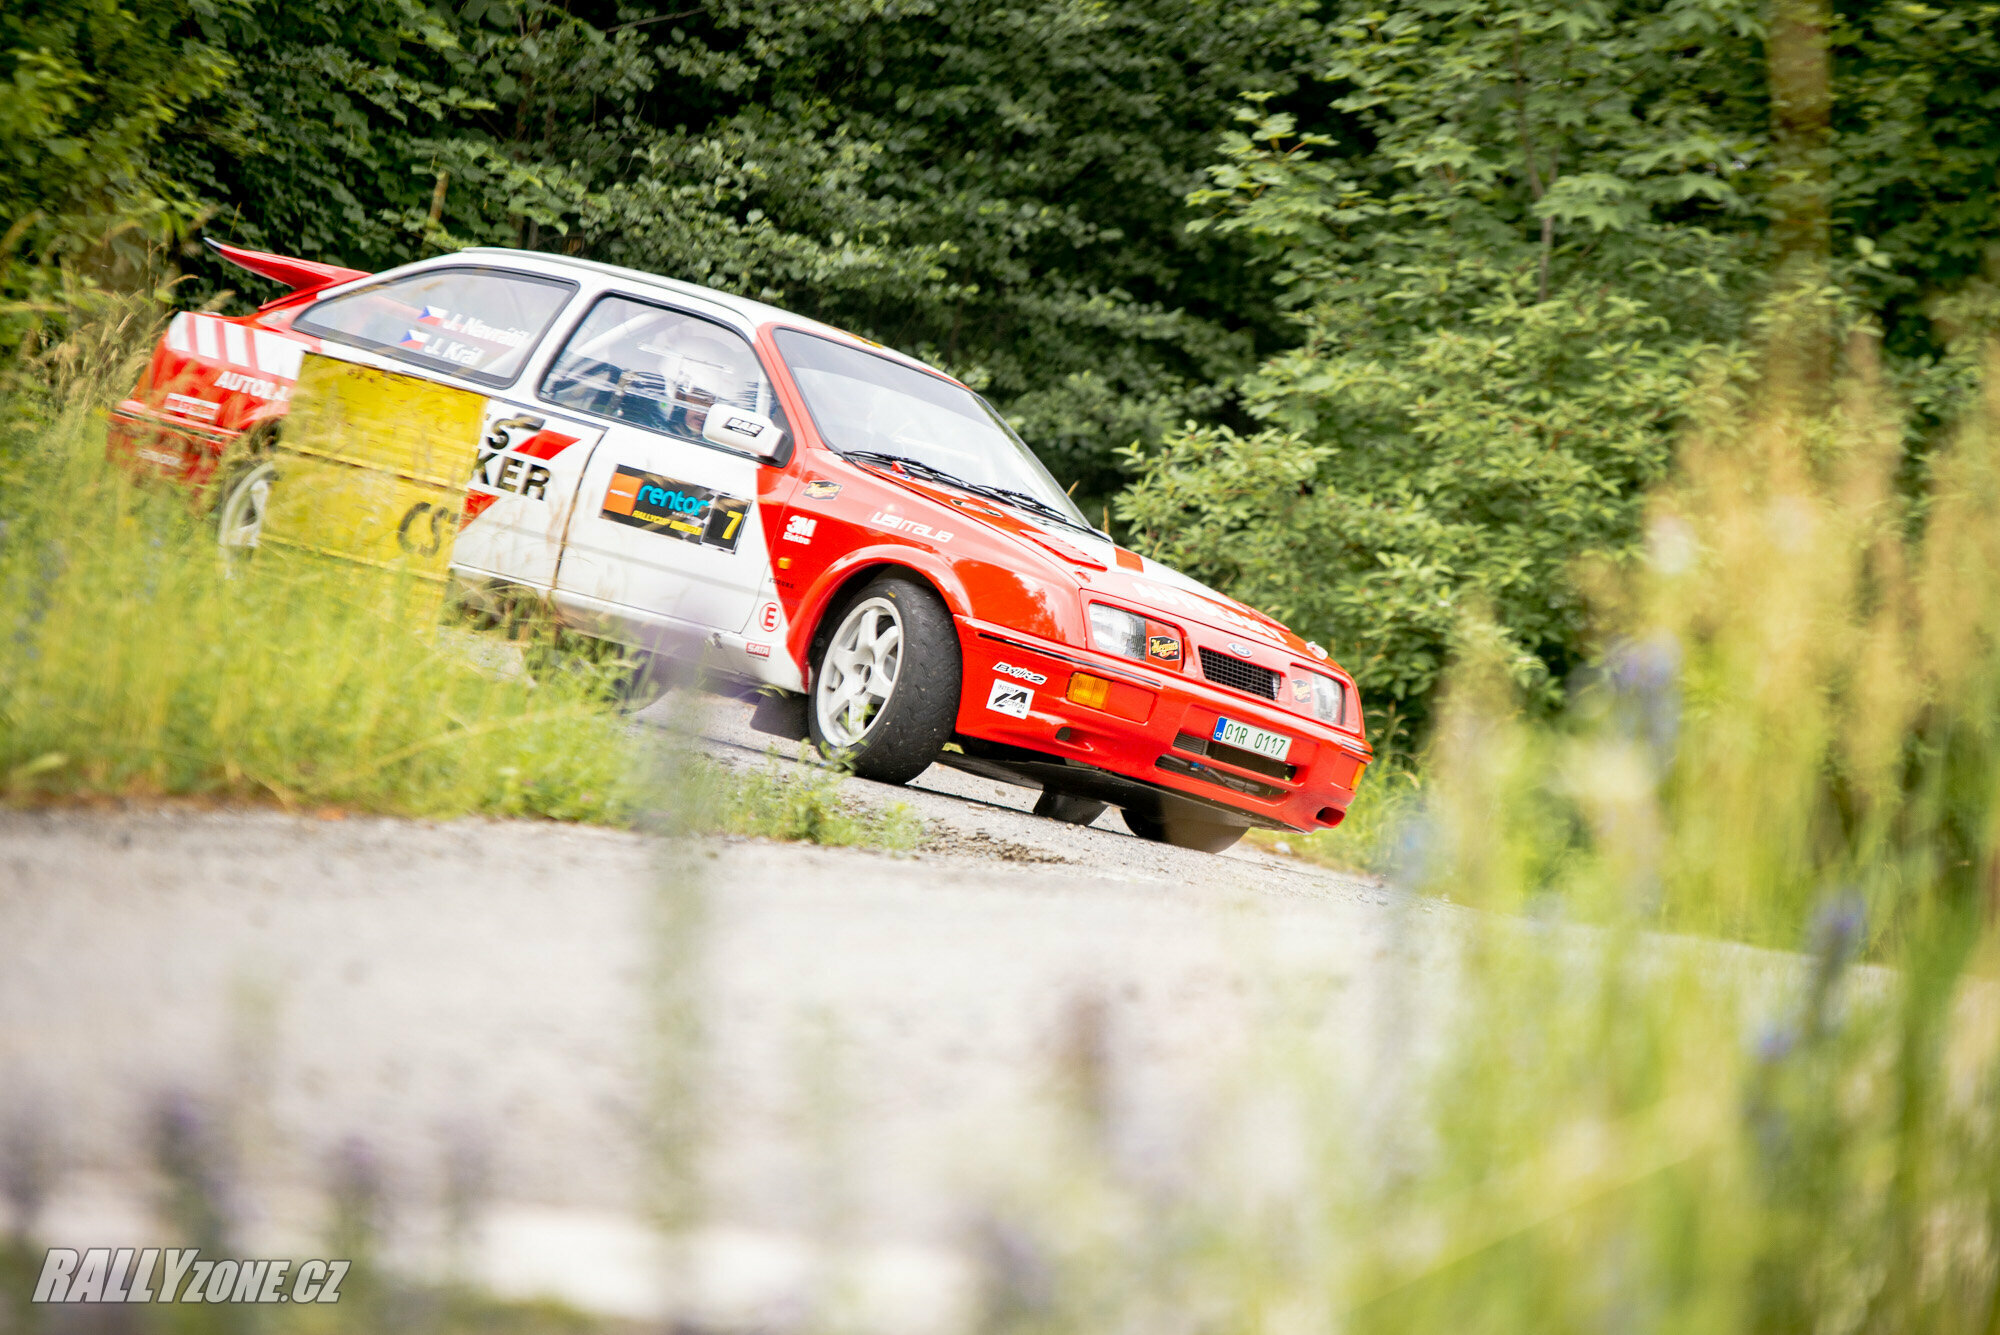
239	521
858	675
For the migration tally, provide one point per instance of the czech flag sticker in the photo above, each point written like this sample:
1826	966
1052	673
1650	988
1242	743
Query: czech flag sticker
433	315
414	338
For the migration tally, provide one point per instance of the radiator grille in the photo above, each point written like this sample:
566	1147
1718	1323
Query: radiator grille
1225	670
1236	783
1234	755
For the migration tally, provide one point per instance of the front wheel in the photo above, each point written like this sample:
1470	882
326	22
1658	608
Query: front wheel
885	686
1204	836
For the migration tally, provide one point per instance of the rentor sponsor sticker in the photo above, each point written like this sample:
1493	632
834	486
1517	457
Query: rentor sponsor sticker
674	509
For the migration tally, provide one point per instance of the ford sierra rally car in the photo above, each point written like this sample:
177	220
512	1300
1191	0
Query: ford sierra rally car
688	473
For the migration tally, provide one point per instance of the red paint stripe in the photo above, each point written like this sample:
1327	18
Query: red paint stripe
545	445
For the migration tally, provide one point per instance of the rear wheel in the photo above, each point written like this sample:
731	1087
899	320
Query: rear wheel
244	497
885	686
1204	836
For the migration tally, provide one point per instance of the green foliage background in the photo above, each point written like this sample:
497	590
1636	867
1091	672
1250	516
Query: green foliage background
1366	314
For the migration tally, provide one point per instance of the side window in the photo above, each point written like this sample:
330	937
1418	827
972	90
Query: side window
473	322
656	368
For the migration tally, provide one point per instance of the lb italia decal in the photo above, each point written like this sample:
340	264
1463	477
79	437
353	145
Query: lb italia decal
676	509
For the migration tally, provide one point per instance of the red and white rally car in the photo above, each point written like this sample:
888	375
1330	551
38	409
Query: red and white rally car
690	473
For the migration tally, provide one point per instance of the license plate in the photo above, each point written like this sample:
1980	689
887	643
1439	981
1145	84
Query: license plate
1273	744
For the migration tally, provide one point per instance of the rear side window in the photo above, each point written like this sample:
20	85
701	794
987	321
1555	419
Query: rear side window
477	323
656	368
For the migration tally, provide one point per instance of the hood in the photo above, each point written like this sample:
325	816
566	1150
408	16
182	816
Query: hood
1101	566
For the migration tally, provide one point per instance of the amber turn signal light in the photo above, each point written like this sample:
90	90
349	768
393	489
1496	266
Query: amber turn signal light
1113	697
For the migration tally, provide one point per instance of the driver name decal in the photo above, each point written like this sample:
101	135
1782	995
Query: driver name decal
675	509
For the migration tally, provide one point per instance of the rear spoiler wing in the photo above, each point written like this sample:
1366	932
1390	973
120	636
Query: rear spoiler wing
298	275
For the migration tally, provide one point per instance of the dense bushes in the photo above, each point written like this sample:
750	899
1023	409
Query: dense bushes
1462	260
1521	238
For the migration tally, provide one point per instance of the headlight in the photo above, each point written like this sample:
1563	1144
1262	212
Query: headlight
1116	631
1325	697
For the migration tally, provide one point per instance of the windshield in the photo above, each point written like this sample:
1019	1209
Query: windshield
864	404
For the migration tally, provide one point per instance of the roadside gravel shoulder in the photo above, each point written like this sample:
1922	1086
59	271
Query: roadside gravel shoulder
486	991
975	818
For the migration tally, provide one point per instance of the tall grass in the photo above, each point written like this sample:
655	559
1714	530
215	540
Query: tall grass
789	802
135	660
1606	1114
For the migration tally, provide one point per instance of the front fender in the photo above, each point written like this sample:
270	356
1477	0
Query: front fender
837	575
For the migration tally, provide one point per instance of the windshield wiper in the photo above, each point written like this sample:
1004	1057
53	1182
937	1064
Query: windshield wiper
904	461
1032	502
1026	500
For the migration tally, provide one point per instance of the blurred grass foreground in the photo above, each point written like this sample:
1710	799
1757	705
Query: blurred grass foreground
135	661
1611	1118
1721	1053
138	661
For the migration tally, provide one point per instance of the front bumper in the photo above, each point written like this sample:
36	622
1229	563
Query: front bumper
1160	761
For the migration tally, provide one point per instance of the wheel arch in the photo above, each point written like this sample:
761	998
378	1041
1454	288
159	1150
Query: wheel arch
841	584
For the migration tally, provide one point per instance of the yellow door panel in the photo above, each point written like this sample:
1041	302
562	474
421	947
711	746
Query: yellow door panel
372	467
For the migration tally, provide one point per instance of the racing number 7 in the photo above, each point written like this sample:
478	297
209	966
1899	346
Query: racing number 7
735	517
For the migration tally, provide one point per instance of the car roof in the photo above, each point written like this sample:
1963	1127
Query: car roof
753	313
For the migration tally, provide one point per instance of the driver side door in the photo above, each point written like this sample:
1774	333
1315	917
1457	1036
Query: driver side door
666	534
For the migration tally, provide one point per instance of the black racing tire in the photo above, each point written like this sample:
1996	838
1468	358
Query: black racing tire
1068	808
1204	836
894	734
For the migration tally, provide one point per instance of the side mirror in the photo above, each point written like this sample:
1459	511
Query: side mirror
741	429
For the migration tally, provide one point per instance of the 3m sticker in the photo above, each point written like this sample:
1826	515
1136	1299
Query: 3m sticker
800	529
1009	698
675	509
819	489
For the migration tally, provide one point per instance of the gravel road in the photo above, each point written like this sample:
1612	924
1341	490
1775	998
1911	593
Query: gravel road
469	1012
